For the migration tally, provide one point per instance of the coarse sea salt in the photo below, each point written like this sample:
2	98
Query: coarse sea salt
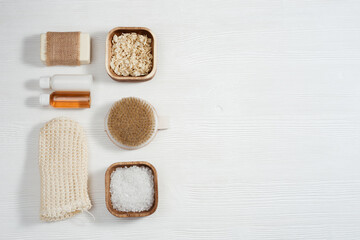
132	189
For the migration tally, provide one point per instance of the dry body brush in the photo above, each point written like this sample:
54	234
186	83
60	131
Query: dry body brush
132	122
131	55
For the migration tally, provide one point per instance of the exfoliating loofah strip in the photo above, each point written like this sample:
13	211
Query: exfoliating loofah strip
63	169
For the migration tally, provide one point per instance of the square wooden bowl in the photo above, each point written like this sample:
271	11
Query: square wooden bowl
108	194
119	31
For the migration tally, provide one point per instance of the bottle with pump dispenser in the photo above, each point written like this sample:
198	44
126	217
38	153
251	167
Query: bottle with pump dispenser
63	99
67	82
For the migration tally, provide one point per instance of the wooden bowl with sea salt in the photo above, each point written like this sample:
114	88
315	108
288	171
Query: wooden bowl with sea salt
123	30
108	197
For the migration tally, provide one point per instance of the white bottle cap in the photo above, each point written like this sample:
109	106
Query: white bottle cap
44	82
44	99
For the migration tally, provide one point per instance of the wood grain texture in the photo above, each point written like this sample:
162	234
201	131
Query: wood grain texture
263	97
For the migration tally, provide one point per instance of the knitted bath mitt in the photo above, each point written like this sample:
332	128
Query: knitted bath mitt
63	169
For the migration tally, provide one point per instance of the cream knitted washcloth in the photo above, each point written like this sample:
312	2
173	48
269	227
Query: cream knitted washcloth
63	169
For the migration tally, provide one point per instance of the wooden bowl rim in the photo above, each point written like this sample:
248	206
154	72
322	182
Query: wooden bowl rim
121	214
129	78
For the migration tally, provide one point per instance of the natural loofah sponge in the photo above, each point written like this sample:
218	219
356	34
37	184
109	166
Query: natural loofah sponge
63	169
132	122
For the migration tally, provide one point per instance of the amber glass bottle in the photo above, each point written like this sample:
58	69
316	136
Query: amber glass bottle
66	99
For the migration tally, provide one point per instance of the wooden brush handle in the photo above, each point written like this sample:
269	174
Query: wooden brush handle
163	123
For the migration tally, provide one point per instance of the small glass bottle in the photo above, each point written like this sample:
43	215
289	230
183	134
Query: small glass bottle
66	99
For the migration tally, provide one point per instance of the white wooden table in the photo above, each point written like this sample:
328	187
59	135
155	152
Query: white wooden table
263	97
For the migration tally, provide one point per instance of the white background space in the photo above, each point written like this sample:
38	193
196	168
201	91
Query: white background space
263	97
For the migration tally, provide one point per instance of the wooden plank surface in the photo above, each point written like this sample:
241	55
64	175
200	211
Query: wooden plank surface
263	97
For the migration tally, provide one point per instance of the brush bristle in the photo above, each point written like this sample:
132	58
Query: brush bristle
131	121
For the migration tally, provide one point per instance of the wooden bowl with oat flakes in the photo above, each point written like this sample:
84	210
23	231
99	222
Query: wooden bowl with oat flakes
130	75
